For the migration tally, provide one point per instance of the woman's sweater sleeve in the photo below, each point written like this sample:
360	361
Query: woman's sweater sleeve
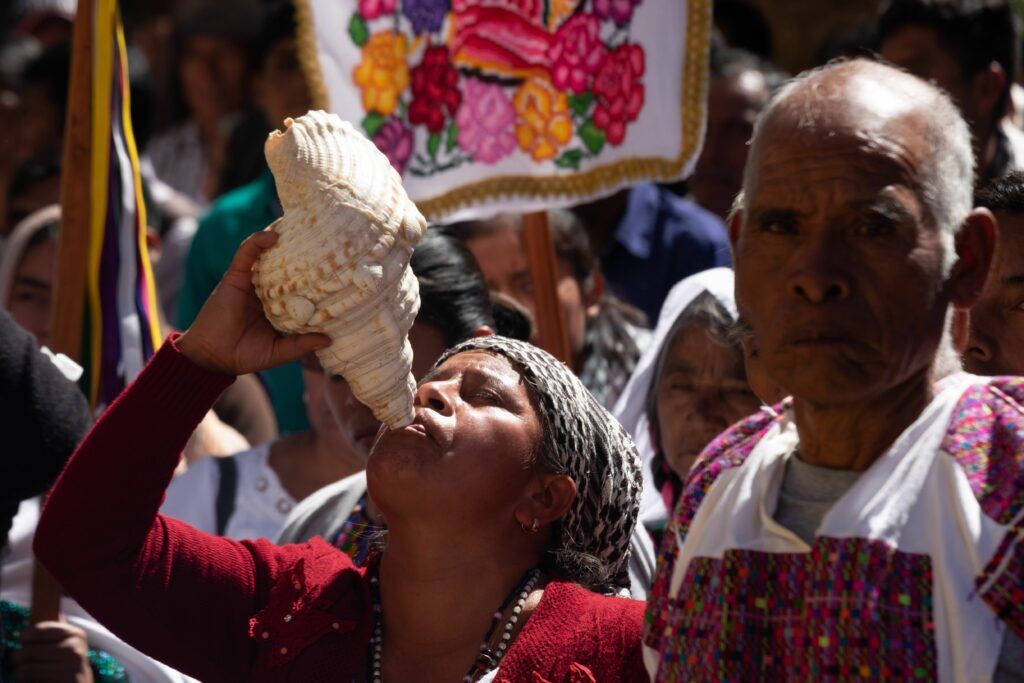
177	594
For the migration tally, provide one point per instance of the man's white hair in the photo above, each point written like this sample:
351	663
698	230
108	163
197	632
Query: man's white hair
947	178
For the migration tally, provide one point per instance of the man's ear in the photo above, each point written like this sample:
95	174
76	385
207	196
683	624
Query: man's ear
975	250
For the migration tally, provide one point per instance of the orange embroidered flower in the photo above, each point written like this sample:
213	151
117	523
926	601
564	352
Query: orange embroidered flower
383	73
542	118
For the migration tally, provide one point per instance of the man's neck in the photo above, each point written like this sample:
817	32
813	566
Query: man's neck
853	436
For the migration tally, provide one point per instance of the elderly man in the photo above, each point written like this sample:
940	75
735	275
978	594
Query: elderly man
996	345
870	528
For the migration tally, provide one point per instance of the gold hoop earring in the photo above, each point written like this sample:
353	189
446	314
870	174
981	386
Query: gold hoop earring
533	528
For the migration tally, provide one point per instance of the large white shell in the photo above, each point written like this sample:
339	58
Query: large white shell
341	264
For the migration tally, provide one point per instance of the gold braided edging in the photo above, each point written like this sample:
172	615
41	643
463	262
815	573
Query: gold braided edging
560	186
309	59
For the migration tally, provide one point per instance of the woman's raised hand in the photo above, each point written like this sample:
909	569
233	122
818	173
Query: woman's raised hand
231	335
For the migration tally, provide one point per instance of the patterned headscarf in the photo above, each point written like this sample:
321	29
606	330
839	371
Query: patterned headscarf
580	439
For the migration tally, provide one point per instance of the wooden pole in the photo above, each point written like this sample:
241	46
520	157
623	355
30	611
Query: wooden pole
72	243
540	249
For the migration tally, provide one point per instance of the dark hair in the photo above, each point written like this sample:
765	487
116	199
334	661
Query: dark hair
743	25
1003	194
36	169
977	32
453	293
728	62
278	25
510	319
51	71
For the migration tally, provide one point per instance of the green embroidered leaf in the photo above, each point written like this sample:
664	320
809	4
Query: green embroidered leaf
357	29
592	136
433	142
453	137
581	103
372	123
570	159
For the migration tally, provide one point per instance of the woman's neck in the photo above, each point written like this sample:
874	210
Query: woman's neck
438	600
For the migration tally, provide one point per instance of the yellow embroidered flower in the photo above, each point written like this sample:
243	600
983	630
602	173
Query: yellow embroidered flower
542	118
383	73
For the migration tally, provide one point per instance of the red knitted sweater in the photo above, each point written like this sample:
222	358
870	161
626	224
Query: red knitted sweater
222	610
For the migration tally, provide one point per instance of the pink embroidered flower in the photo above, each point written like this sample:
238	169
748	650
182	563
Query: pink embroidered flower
619	91
577	52
371	9
486	120
619	11
395	140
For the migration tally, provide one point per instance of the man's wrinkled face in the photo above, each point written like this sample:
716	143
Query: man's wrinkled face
838	260
996	345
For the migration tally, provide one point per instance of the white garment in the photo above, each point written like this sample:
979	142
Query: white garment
631	408
915	499
16	587
261	502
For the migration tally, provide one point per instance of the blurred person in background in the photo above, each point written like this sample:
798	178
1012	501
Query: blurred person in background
996	344
740	85
249	494
281	92
43	106
34	185
972	51
647	239
605	335
214	45
690	384
45	414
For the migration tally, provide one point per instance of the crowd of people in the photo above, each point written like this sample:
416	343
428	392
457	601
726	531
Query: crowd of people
788	443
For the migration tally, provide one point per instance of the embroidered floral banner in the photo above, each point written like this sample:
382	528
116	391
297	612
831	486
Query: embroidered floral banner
518	105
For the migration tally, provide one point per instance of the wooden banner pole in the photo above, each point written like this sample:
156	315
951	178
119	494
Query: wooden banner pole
72	244
540	250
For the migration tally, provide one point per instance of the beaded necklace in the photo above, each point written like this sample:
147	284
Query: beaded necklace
487	659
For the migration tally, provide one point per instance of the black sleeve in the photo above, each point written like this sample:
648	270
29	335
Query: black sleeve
44	414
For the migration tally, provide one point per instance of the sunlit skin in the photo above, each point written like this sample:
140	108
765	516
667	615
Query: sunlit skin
502	258
996	344
733	104
839	260
457	487
701	390
30	297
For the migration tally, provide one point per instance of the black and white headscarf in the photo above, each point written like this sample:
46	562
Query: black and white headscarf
580	439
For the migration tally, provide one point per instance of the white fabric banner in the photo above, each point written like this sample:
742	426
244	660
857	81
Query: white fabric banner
514	105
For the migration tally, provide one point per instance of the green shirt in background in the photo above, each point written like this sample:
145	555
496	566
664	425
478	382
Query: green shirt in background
233	217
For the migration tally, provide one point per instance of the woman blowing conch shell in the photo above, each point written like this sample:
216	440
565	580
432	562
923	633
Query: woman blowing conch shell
341	266
510	501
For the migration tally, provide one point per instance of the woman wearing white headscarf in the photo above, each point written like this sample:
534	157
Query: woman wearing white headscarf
689	385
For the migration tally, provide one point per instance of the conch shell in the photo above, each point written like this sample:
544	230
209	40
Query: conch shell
341	264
